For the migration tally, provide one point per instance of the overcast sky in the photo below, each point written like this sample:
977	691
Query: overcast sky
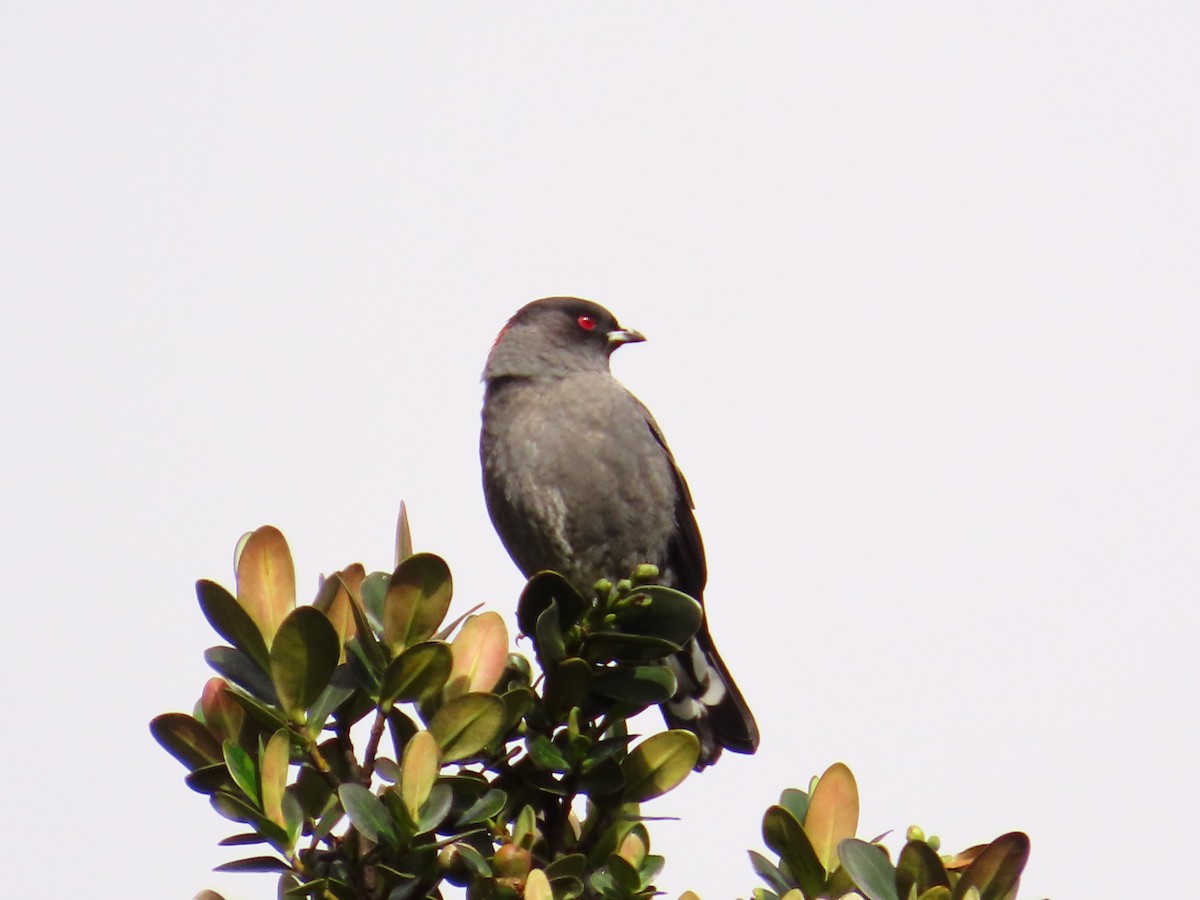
920	284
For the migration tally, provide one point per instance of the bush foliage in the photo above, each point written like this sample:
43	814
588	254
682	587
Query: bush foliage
367	749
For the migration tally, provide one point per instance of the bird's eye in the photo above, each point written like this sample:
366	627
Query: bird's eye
587	323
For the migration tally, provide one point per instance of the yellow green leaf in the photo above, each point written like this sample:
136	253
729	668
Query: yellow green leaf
659	763
418	771
274	776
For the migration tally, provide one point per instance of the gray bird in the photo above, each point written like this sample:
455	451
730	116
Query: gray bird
579	479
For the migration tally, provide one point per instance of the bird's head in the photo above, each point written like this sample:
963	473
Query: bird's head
556	336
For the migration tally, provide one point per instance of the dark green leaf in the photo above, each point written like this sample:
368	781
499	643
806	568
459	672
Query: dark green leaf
566	887
548	637
659	763
486	807
209	779
624	875
186	739
602	779
919	867
368	814
254	864
418	597
572	865
540	591
660	612
419	671
568	684
544	754
304	655
639	685
868	865
231	621
241	670
603	646
783	834
997	870
240	840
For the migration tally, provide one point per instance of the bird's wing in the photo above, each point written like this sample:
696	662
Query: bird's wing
685	554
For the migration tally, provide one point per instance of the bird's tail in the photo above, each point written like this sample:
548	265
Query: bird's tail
708	702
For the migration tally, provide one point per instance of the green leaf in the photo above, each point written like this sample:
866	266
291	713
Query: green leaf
570	866
244	773
186	739
938	892
436	808
832	813
868	865
419	771
540	591
368	814
304	655
330	700
418	672
997	870
795	802
231	621
467	724
783	834
660	612
486	807
920	868
266	579
769	872
373	592
659	763
418	597
640	685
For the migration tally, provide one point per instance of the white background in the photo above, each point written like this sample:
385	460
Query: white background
920	282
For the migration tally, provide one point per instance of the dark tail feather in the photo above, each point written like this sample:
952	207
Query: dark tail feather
708	702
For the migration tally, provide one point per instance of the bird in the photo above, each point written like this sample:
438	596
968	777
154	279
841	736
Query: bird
578	479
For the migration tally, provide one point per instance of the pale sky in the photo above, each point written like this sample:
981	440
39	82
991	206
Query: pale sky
921	289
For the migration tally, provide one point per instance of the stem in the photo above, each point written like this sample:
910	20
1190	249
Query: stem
369	754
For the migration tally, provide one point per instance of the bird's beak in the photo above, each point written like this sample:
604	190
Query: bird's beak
625	336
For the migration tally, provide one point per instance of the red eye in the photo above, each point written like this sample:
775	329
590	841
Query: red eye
587	323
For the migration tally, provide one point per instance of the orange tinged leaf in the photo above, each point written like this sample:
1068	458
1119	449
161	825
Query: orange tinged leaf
480	655
832	813
222	714
266	579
